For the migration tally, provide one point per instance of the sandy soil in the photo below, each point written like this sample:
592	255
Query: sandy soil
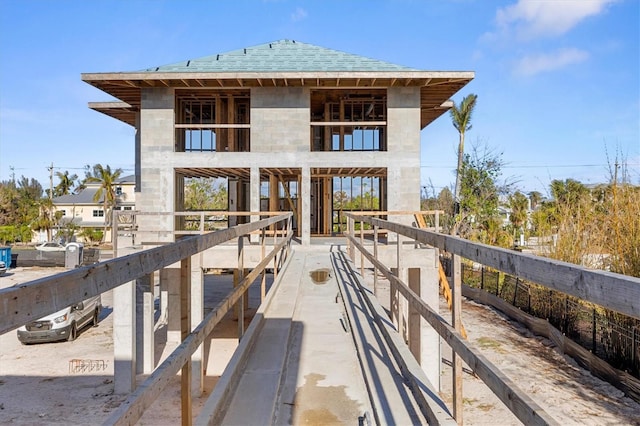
41	384
567	392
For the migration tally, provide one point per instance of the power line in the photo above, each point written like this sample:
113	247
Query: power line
552	166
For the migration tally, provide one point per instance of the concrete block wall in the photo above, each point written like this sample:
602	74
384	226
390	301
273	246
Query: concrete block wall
280	124
403	155
157	186
280	120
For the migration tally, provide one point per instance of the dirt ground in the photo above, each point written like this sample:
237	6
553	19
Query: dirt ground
71	382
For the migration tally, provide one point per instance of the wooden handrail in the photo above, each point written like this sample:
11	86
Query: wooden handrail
504	388
38	298
617	292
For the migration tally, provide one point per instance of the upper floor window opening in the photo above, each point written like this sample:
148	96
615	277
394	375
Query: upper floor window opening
348	120
212	121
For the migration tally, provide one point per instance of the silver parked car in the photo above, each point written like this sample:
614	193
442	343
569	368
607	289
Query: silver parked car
50	246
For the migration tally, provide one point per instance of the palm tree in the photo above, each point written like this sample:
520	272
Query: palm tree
519	205
536	198
461	119
106	178
66	183
46	219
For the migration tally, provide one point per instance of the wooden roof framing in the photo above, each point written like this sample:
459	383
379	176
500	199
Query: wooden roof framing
436	87
286	173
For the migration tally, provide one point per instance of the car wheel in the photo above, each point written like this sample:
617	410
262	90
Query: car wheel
94	321
73	333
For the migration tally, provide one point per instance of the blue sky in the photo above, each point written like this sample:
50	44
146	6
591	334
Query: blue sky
558	82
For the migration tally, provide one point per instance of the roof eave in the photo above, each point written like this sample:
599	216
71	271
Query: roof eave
178	75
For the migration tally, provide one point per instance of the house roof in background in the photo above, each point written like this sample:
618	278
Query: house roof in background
83	197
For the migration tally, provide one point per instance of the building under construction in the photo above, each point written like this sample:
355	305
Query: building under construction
290	126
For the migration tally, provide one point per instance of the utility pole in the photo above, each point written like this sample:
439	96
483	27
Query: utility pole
13	174
51	182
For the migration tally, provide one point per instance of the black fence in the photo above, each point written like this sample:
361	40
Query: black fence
611	336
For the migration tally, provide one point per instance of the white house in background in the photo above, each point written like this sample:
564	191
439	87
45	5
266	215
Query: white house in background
84	212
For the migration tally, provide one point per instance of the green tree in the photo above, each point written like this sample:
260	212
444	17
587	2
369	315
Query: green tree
65	184
568	191
461	119
442	201
340	200
106	192
8	203
205	194
91	235
480	193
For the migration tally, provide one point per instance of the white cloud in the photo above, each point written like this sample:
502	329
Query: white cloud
535	64
530	19
299	14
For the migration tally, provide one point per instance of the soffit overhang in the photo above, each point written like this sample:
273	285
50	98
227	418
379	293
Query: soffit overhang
436	87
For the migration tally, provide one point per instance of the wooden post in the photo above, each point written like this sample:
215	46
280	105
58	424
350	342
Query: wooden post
375	254
593	332
263	282
275	258
393	288
185	329
361	253
114	232
437	224
456	319
240	303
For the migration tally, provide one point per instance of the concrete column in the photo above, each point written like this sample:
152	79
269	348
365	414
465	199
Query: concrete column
157	185
254	202
124	341
403	140
149	327
145	361
170	279
424	341
305	197
138	171
197	315
163	283
233	200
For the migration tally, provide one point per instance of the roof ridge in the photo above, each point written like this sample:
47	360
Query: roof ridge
281	55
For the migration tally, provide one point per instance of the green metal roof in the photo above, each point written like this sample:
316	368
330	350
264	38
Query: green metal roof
282	55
